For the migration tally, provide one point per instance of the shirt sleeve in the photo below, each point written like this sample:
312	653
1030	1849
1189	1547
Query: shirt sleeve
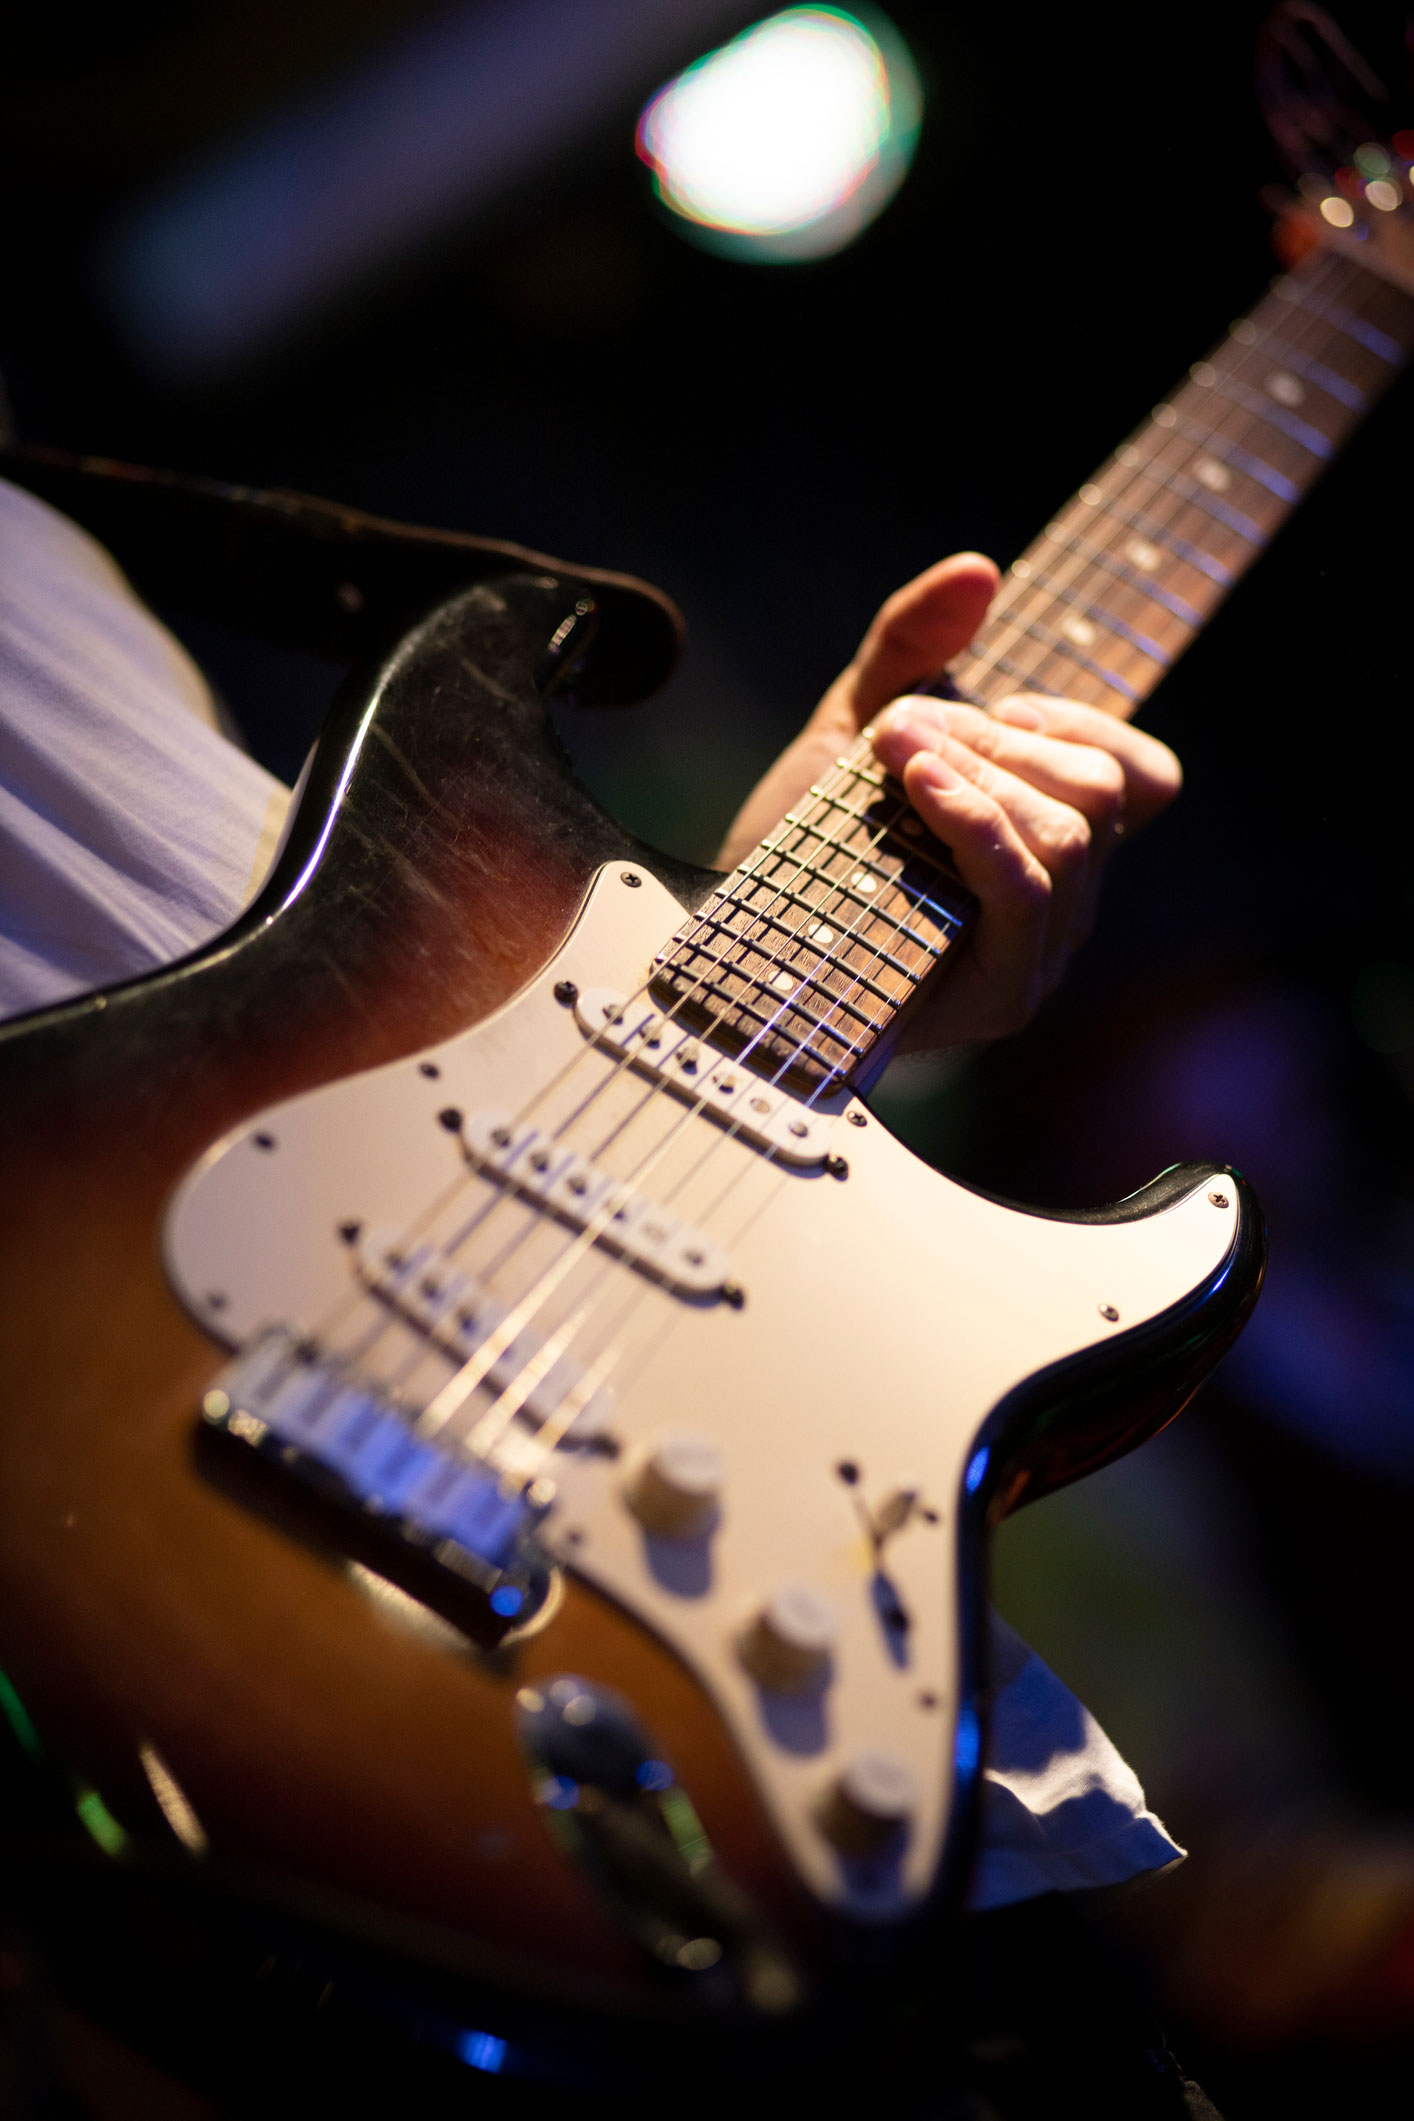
131	828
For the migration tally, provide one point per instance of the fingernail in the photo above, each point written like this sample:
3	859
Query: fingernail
935	773
917	712
1020	713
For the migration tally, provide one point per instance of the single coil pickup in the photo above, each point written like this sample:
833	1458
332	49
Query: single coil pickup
325	1425
673	1054
452	1311
547	1174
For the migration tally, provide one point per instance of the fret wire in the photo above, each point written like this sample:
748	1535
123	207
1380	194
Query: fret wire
919	942
799	936
840	847
984	657
1076	654
1146	434
864	979
1189	488
1071	599
751	873
753	983
1247	332
867	904
1366	335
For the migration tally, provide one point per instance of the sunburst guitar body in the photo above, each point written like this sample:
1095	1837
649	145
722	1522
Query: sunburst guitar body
500	1457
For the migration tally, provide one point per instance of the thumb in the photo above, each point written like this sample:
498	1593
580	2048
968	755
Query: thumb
920	628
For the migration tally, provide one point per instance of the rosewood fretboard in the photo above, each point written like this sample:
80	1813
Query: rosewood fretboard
806	953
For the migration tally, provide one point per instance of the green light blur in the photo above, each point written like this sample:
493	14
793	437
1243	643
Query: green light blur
18	1718
100	1823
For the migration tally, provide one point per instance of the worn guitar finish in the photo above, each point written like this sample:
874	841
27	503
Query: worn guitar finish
643	1665
154	1604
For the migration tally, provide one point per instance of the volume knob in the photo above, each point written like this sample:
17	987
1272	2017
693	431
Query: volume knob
870	1805
788	1646
676	1489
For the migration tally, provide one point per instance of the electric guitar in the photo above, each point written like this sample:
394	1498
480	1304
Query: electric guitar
496	1441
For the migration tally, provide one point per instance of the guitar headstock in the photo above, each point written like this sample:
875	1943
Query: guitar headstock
1364	210
1328	112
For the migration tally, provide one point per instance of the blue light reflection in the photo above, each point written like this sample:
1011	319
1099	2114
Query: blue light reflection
482	2051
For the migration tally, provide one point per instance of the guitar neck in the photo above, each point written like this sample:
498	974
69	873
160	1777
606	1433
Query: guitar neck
1120	581
805	955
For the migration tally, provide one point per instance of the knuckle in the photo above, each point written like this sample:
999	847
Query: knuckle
1068	850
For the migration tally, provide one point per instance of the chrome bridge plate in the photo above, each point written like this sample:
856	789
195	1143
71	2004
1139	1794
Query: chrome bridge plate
322	1422
672	1054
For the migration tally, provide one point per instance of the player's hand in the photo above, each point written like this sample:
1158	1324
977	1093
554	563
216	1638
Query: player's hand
1031	798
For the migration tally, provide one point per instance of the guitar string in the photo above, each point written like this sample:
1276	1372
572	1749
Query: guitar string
331	1319
1235	417
502	1337
465	1381
1246	422
1034	600
828	797
802	866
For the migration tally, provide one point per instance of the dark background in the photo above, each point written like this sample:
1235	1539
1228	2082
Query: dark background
779	447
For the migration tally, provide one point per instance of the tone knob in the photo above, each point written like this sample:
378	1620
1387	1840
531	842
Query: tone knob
788	1646
870	1805
676	1488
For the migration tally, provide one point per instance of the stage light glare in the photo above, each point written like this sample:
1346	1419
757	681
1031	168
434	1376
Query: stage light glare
786	143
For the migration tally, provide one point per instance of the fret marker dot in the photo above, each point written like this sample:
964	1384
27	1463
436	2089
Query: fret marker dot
1091	495
1245	332
1204	373
821	934
1080	631
1210	473
1140	553
783	982
1164	416
1130	457
1285	387
861	882
1022	570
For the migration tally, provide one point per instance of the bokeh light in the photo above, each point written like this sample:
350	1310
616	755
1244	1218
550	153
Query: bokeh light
786	143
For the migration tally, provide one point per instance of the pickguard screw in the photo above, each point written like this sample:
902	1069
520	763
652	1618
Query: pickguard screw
837	1166
733	1294
1219	1200
566	991
450	1118
264	1141
627	877
859	1119
430	1069
1108	1311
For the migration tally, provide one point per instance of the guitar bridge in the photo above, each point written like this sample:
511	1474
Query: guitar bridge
334	1431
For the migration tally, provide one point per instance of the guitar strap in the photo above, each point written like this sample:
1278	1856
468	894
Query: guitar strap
313	574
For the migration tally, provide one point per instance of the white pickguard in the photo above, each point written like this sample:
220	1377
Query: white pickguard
884	1315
